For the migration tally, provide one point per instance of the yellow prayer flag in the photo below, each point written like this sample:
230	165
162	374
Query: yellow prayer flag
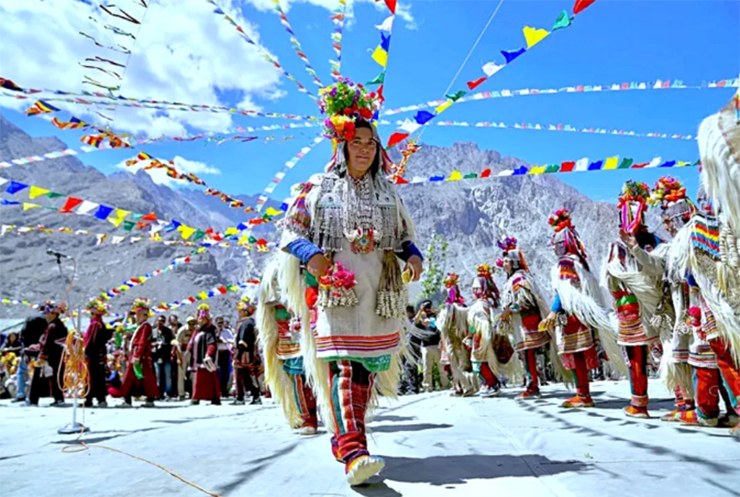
534	35
537	170
443	107
380	56
611	163
273	212
455	176
28	206
201	250
243	240
682	164
231	231
203	295
115	221
187	231
121	214
36	191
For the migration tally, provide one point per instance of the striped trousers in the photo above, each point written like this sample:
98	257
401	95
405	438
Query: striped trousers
351	387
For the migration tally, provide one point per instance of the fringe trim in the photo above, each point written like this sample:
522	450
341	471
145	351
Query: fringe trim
676	374
279	382
587	305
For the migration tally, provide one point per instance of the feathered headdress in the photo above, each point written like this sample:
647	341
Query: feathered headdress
140	304
670	195
633	203
565	238
483	284
451	284
96	305
508	245
51	306
344	103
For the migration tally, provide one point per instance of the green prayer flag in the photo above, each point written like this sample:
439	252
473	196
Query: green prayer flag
552	168
563	21
252	239
470	176
55	195
626	164
379	79
199	234
128	225
456	96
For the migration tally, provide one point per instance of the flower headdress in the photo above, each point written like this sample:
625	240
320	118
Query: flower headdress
204	311
96	305
451	283
344	103
510	251
140	304
670	195
633	202
243	303
51	306
483	285
565	238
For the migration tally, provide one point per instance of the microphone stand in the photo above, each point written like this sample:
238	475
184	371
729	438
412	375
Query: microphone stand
74	427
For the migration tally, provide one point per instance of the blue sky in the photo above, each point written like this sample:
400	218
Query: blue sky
610	42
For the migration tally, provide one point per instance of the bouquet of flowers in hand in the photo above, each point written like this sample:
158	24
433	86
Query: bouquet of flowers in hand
336	288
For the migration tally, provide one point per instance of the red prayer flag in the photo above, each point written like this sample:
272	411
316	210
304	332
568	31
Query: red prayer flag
70	204
474	84
150	217
640	166
581	5
398	180
396	138
567	167
486	173
391	5
222	290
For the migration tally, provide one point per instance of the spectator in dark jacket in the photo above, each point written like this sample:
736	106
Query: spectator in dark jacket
162	355
431	352
30	335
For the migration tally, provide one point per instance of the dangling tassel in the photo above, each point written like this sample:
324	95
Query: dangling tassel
336	289
392	295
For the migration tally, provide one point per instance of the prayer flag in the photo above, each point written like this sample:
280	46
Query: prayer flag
29	206
378	80
103	211
396	138
422	117
595	166
474	84
40	107
533	35
70	204
581	5
510	56
456	96
380	56
563	21
37	192
14	187
491	68
440	109
611	163
392	5
455	176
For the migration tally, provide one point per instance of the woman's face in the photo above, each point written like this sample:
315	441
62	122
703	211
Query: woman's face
507	265
362	150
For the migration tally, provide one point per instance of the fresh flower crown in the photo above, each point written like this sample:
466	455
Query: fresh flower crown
484	270
343	103
140	304
560	220
507	243
243	303
451	280
50	306
667	190
635	191
96	305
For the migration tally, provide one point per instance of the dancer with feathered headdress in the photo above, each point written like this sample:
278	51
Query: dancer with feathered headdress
349	227
578	314
523	311
637	292
452	323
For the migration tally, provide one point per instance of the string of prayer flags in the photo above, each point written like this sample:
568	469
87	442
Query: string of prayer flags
204	295
296	44
380	54
136	281
265	53
123	14
41	107
115	47
532	37
557	127
73	123
581	165
337	17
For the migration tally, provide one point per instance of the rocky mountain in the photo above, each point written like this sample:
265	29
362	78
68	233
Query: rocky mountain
471	214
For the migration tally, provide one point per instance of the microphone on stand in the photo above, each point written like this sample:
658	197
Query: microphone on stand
58	255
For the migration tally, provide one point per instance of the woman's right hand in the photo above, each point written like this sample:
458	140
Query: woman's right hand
318	265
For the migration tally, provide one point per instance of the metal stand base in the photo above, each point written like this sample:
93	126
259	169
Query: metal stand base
73	428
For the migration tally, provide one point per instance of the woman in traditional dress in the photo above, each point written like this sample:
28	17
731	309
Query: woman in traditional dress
348	228
637	293
453	326
579	315
204	347
523	310
280	341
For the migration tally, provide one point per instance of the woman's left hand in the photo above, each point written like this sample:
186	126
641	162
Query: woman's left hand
414	263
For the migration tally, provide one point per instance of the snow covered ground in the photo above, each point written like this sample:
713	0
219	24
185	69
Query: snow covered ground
433	445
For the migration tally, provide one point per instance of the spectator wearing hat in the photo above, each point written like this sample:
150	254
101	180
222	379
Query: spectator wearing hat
51	347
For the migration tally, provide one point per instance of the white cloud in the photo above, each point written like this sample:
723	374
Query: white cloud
183	52
402	10
160	177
